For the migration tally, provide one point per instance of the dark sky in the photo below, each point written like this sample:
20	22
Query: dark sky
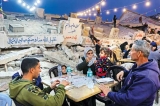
66	6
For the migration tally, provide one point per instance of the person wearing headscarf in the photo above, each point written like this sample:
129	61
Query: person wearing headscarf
87	61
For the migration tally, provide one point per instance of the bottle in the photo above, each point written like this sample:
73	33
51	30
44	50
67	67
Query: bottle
89	73
69	71
59	71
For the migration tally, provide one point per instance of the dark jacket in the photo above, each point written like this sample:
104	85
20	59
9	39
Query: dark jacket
83	66
102	66
140	86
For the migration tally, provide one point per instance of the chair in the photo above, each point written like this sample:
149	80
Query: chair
112	72
54	70
5	99
17	103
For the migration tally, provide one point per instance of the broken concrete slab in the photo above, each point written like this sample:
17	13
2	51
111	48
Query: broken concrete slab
60	59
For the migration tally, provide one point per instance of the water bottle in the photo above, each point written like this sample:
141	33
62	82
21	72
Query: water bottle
89	73
59	71
90	83
69	71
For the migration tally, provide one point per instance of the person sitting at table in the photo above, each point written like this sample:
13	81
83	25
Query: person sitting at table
25	92
54	70
37	81
87	61
103	63
141	82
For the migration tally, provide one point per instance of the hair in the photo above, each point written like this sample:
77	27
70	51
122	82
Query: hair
130	46
64	66
28	63
107	51
143	46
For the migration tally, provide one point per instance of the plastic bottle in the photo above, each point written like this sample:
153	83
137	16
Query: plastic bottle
69	71
59	71
89	73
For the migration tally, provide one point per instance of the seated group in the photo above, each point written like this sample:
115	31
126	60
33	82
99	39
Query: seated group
140	84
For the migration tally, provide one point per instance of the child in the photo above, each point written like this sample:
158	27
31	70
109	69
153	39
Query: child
103	63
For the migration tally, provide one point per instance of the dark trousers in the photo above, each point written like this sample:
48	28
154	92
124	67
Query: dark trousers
87	102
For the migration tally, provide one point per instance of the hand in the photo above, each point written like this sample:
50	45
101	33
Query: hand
95	61
53	85
120	75
104	89
65	83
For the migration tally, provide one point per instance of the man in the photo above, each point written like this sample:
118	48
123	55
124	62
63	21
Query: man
91	35
97	47
155	52
25	92
54	70
141	82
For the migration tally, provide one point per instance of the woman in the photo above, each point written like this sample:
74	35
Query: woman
87	61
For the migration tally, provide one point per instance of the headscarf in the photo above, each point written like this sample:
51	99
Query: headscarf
85	55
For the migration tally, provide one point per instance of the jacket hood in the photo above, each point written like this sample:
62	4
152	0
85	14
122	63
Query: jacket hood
151	64
16	85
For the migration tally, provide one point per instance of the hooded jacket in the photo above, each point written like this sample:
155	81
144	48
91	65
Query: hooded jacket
26	93
140	86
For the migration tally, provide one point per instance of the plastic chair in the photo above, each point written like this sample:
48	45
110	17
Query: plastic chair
54	70
5	99
112	72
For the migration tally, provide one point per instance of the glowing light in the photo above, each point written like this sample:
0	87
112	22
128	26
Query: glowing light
134	6
124	10
38	1
89	14
97	6
28	7
19	1
148	3
35	4
89	10
93	9
94	14
115	10
24	4
108	12
103	3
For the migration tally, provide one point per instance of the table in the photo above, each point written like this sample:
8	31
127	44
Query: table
82	93
126	60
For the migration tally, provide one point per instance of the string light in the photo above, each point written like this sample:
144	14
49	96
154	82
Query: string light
124	10
148	3
103	3
19	1
134	6
97	6
108	12
30	8
115	10
24	4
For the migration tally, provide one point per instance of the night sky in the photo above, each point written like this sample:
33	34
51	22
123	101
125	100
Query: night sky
66	6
